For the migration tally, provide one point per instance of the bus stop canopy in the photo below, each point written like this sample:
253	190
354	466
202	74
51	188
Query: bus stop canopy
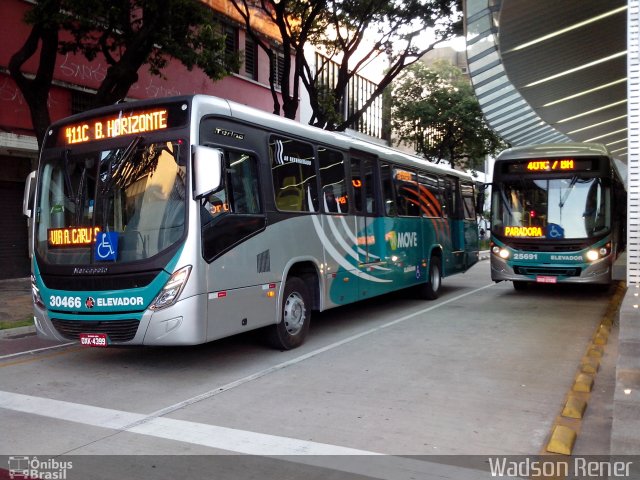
551	71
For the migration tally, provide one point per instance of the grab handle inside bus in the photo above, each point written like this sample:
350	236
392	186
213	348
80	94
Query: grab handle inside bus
207	170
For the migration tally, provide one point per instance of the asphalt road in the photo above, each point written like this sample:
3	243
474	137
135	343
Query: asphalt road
435	387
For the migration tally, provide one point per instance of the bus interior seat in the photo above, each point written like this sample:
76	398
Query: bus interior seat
290	195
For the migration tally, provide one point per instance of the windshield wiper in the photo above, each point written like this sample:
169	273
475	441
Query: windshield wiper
111	175
79	198
568	191
67	178
112	172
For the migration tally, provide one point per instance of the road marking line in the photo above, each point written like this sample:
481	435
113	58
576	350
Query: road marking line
306	356
334	457
36	350
223	438
31	359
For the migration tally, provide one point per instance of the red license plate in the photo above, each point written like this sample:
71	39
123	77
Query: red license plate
546	279
94	339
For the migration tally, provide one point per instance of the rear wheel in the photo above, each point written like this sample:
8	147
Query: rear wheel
431	289
295	316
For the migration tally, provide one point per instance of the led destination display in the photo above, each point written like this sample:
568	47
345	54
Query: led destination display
550	165
72	236
119	123
115	126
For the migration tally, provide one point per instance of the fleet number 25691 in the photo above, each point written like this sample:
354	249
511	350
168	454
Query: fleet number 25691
525	256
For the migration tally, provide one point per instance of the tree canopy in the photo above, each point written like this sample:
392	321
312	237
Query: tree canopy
128	34
436	112
351	34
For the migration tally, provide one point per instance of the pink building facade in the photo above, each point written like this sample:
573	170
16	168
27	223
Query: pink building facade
75	79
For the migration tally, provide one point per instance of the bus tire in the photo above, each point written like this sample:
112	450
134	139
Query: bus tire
431	289
519	285
295	316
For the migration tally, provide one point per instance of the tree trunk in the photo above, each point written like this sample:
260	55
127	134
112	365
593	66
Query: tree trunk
36	90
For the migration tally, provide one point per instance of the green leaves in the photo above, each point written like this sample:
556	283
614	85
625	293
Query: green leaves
435	111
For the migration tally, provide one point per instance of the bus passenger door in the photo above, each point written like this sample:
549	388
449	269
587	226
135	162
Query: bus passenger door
369	227
470	238
454	260
338	229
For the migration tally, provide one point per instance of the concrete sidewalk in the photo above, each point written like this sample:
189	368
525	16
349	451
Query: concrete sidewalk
16	305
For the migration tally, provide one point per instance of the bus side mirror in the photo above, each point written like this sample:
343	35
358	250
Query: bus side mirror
29	194
207	170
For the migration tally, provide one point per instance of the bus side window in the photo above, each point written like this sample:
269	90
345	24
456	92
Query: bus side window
363	182
335	195
368	171
407	195
240	194
242	178
293	168
429	196
468	202
388	198
451	198
357	185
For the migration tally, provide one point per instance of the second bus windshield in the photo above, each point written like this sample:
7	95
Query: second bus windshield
562	208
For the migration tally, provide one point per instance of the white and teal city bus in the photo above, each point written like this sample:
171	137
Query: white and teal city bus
557	214
183	220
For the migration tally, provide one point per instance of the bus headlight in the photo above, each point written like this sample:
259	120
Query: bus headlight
592	255
172	289
595	254
500	252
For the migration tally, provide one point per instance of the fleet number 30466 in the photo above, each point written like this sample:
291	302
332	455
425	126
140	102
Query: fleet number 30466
64	301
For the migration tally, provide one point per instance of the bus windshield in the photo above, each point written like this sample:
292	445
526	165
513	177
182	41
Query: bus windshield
136	193
560	208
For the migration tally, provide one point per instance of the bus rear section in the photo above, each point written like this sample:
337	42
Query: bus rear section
557	215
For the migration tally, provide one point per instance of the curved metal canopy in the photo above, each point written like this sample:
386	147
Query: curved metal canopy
551	70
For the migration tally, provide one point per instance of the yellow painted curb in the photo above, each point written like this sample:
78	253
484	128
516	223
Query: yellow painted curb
596	351
583	383
562	440
568	424
600	339
574	408
590	364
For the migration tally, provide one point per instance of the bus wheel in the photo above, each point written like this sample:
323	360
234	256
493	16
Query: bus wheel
431	289
295	317
519	285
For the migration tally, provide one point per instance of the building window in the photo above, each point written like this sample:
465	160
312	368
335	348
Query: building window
230	34
82	101
250	58
277	68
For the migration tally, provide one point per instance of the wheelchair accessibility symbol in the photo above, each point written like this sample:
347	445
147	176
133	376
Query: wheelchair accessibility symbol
106	247
555	231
